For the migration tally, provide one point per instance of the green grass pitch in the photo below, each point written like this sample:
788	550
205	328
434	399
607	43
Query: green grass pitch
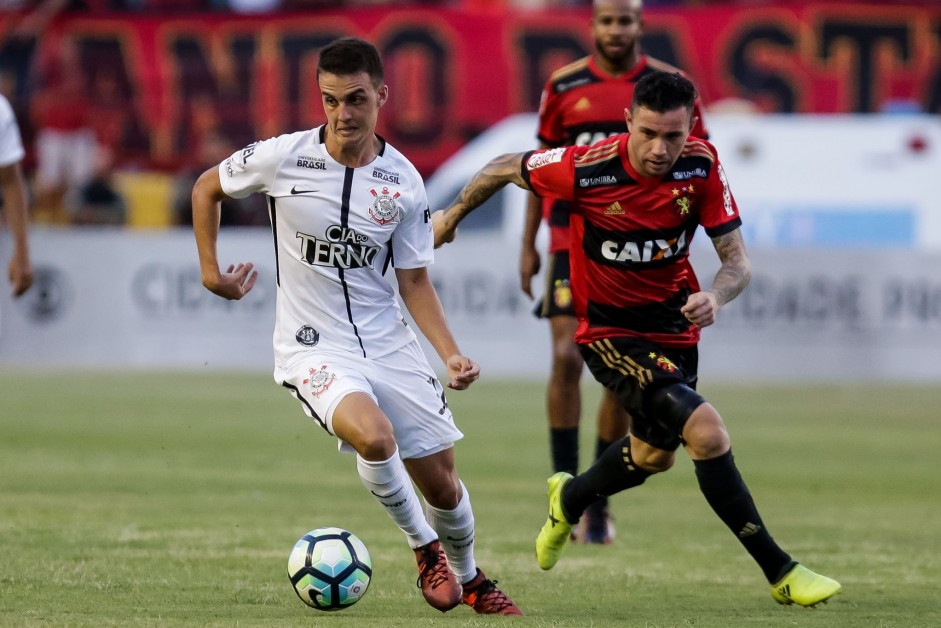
155	499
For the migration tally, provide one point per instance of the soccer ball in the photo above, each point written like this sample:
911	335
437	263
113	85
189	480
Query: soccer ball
329	569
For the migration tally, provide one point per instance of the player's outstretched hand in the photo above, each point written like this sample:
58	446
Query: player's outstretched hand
235	282
529	268
701	309
462	372
21	274
443	228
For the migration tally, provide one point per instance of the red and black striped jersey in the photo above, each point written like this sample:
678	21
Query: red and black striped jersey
582	104
629	253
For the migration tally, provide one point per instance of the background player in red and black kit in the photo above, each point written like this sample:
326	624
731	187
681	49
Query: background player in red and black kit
581	104
636	202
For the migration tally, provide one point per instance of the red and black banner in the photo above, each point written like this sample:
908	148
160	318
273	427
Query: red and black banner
454	72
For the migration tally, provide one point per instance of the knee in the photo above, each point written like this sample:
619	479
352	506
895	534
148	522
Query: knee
444	495
377	442
566	360
705	434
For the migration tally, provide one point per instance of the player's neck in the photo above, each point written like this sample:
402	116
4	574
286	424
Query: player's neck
620	67
353	155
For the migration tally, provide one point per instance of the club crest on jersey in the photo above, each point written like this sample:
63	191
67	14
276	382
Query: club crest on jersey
307	336
683	203
562	293
319	380
663	362
384	209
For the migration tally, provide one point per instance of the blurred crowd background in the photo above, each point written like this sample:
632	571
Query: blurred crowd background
103	142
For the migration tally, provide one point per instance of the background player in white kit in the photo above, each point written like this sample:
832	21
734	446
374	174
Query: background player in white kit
15	200
344	207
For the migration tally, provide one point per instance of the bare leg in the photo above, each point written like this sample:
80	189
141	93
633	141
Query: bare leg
361	423
613	419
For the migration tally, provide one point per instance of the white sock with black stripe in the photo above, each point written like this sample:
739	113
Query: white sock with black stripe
391	485
455	530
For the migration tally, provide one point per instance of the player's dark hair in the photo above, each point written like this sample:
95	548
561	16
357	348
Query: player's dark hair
663	91
351	55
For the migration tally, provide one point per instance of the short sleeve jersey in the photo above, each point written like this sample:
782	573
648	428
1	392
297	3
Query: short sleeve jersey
582	104
631	234
337	230
11	144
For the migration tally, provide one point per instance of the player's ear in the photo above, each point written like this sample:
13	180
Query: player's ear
692	123
383	94
628	118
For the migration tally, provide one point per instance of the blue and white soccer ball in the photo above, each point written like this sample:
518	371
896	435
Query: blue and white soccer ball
330	569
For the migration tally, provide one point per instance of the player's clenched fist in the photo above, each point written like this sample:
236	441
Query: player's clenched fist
444	227
701	309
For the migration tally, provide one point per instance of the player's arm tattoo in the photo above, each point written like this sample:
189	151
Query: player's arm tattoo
735	272
487	181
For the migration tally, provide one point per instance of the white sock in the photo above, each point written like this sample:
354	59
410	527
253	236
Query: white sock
389	482
455	530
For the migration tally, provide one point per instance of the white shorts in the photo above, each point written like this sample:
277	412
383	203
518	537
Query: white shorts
402	384
65	157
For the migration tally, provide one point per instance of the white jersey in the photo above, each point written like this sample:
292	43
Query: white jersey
337	231
11	145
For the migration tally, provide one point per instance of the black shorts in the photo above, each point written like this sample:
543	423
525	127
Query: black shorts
633	368
557	298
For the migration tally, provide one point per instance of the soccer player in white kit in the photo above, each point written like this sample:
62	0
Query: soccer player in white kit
15	200
345	206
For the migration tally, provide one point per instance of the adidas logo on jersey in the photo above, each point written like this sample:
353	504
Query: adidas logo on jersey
614	209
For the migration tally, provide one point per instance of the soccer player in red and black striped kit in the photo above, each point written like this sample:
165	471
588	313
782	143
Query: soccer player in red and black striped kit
582	103
636	201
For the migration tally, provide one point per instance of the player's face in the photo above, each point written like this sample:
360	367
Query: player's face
351	103
616	25
656	139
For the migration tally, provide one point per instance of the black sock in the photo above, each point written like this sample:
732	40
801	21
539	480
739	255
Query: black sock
612	473
598	506
564	445
724	489
601	446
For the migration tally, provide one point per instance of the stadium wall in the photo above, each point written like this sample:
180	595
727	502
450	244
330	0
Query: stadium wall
118	299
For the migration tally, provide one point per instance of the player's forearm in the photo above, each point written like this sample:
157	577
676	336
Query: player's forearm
206	201
735	272
434	327
532	221
485	183
16	204
422	302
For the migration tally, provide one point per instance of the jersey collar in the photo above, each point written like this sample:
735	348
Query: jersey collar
631	75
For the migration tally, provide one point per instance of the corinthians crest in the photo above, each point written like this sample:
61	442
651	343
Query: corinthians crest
384	209
319	380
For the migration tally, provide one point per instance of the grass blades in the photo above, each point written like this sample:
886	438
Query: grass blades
169	499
